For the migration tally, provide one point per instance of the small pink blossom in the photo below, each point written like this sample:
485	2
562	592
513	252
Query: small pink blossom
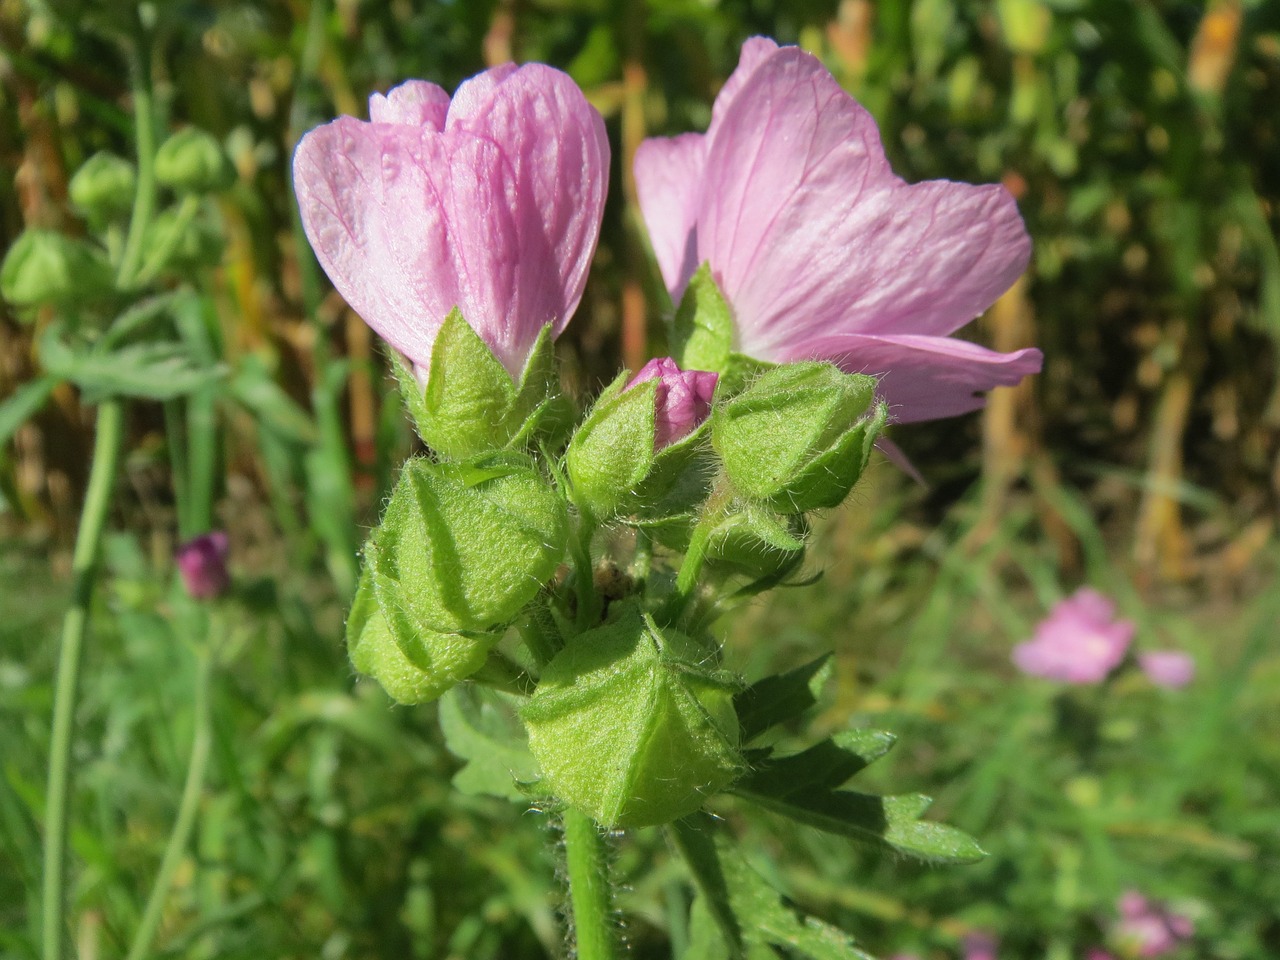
821	250
489	202
682	401
1147	930
1097	953
1168	668
202	564
1080	641
980	946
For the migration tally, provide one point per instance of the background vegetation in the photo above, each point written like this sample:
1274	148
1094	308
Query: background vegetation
1143	142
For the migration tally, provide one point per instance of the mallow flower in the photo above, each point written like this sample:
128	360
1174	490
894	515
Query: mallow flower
489	202
821	250
1080	641
202	564
1167	668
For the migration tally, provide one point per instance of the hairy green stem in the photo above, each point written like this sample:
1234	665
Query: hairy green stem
106	458
690	569
589	893
188	806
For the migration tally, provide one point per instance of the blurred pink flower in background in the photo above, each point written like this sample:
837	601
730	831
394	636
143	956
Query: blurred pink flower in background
489	202
682	402
1148	930
824	253
1080	641
1168	668
980	945
1097	953
202	564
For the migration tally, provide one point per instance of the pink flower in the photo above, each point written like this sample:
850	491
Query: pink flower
1097	953
490	203
202	564
682	401
980	946
1080	641
1147	930
821	251
1167	668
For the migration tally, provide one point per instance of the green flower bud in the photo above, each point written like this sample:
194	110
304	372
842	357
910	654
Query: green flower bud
45	267
630	726
103	186
192	161
612	452
414	665
174	242
471	405
756	542
469	544
798	437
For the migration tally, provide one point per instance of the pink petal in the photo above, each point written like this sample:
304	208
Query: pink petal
414	102
810	232
475	93
754	52
668	173
338	175
922	378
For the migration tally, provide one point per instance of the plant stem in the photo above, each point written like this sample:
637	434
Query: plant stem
144	197
589	891
201	742
690	568
584	574
106	457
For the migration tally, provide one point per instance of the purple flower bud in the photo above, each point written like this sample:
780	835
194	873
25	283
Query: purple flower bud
682	401
1080	641
980	945
1167	668
202	562
1147	929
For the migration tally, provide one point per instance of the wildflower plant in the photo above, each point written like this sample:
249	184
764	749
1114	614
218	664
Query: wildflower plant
563	563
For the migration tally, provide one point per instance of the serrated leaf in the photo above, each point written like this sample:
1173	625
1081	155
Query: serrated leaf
480	727
824	766
749	912
153	371
22	404
778	699
890	823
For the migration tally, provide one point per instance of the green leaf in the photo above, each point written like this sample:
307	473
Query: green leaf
22	404
480	727
153	371
253	388
749	912
778	699
824	766
702	331
891	823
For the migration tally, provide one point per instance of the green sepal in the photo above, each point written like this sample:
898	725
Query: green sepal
47	268
799	436
702	330
612	452
630	726
192	161
103	187
413	666
754	541
471	543
804	787
480	727
471	405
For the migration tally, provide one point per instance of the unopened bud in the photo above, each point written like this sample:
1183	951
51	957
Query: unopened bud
192	161
103	186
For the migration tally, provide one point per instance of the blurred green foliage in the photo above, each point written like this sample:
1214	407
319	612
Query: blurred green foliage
1143	143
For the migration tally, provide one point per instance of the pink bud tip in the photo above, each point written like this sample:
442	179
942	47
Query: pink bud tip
682	401
202	563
